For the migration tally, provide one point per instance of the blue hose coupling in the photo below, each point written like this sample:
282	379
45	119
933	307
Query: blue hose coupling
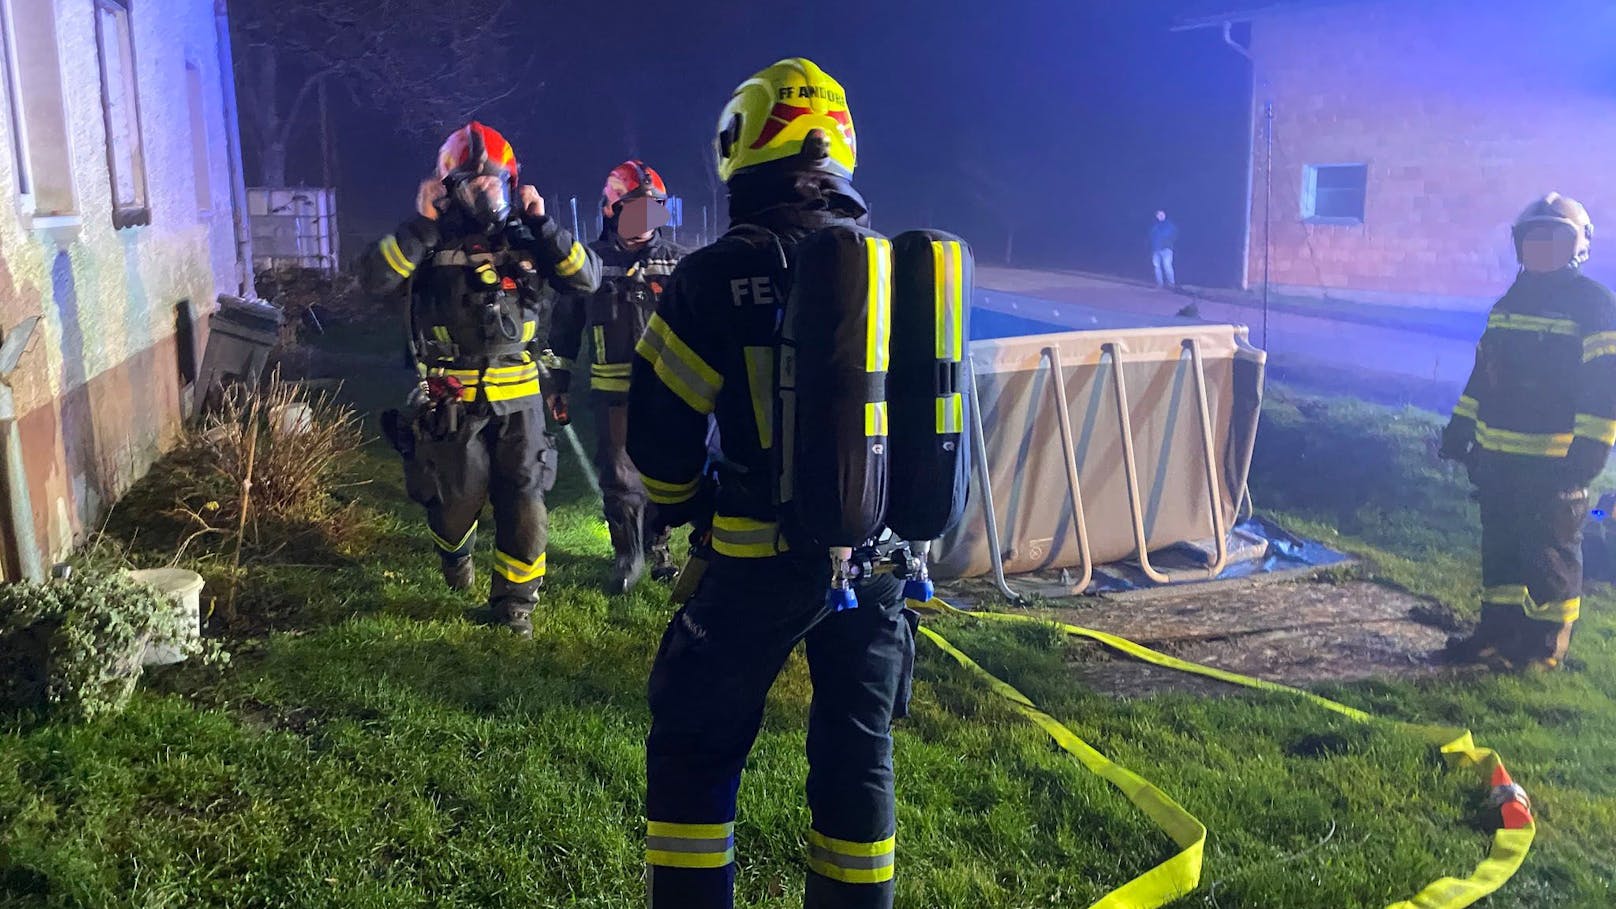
840	599
921	590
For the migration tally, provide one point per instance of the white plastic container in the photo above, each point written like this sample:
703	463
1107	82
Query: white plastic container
184	589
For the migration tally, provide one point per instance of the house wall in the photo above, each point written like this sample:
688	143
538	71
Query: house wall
1463	113
100	389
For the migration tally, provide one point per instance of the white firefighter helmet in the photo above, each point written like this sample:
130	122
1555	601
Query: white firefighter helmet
1562	210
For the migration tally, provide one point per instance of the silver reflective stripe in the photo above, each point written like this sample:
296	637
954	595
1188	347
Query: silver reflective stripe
852	862
684	844
669	359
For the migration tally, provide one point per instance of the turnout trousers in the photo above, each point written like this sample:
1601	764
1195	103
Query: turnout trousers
627	508
1531	571
718	658
506	460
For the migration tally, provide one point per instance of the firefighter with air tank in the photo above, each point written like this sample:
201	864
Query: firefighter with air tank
479	264
832	359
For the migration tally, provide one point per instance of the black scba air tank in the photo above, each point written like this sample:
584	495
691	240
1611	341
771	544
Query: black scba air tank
873	402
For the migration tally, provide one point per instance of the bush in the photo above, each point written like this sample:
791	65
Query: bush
286	450
75	647
300	291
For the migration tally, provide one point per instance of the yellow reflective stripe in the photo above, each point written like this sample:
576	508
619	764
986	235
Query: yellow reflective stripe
1505	595
689	845
745	538
492	392
836	872
1599	344
396	260
517	571
606	383
950	414
850	847
1509	321
1466	407
611	370
1518	595
1558	611
530	330
849	862
689	831
1596	429
600	342
1181	873
1540	444
878	318
516	372
875	418
686	374
576	257
669	493
666	859
948	261
447	546
760	382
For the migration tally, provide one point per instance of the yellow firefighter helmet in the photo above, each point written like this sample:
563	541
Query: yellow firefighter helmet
792	108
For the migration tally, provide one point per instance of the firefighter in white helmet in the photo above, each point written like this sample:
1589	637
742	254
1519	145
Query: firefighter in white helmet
1534	428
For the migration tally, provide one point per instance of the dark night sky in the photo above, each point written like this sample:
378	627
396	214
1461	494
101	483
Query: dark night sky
1072	121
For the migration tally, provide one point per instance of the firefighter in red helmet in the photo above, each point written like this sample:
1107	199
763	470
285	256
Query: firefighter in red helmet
637	257
479	263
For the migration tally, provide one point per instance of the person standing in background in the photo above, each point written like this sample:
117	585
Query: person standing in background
1163	234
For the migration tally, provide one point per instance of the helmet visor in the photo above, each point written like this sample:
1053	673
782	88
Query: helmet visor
486	198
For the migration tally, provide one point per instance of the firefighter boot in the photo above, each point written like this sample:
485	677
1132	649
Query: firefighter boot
512	613
1498	625
459	572
663	568
629	564
1540	645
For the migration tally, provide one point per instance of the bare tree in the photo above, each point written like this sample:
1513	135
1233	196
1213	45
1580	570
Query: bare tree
434	65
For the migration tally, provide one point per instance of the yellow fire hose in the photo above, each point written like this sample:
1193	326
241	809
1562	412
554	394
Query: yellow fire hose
1180	874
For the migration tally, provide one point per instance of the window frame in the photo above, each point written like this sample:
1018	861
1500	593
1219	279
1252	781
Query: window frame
123	215
1309	194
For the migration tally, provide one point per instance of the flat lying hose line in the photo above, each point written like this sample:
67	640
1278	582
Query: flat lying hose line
1511	841
1165	882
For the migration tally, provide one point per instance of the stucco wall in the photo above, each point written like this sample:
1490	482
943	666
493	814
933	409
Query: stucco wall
108	297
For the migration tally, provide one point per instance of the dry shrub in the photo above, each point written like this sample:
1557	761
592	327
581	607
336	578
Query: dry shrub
299	291
264	471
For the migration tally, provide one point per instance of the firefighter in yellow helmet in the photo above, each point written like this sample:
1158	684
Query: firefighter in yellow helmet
1534	428
786	149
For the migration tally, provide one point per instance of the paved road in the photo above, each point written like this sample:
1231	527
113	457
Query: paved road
1312	352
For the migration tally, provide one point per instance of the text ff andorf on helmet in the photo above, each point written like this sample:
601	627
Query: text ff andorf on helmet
790	109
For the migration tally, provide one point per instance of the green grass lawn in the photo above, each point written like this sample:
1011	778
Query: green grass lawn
379	750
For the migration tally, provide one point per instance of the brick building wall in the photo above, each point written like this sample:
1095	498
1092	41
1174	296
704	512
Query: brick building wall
1462	112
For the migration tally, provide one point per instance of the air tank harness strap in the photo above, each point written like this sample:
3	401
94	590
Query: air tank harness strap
1181	874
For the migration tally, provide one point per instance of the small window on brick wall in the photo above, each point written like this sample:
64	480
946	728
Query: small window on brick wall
1334	193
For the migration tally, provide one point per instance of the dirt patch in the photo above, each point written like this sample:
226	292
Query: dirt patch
1298	633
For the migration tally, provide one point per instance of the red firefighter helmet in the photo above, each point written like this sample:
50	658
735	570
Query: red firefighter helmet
474	150
630	180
